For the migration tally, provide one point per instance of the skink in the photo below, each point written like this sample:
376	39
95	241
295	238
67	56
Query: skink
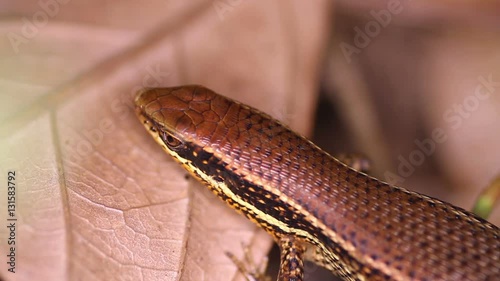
314	206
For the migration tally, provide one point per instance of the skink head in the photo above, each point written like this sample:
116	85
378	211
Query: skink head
208	133
188	114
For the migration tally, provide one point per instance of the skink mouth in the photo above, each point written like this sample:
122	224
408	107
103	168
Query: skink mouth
149	124
156	130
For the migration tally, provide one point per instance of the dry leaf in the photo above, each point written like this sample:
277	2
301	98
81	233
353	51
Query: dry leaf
96	198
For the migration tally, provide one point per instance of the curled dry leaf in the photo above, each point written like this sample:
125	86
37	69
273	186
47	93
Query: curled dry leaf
408	74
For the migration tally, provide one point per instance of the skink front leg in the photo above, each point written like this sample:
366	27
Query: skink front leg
291	256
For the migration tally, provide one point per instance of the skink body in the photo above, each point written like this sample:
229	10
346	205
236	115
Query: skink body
313	205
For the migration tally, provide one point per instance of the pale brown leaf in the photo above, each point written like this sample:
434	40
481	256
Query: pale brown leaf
97	199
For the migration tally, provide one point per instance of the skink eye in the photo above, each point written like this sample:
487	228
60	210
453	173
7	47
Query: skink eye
171	141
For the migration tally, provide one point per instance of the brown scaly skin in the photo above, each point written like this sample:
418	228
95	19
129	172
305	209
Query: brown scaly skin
355	225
